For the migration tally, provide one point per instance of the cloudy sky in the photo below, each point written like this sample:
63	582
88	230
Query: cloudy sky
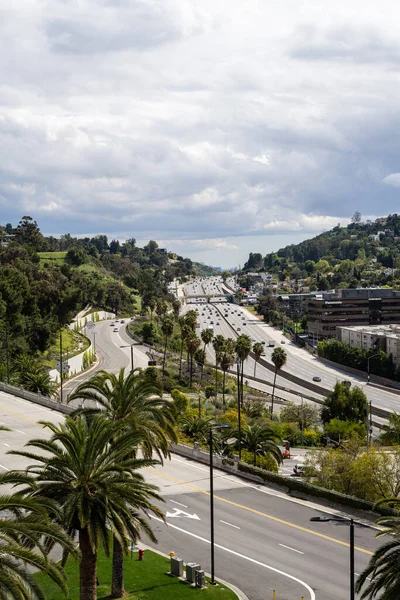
215	127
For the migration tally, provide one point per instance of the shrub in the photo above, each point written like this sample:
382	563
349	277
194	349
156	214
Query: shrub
263	462
209	391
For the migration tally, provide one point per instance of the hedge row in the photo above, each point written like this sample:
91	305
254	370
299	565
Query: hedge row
313	490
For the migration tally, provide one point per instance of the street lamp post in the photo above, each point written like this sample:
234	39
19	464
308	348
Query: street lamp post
368	359
131	347
349	522
211	444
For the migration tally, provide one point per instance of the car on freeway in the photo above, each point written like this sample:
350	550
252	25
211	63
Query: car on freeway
238	329
122	321
316	378
115	329
298	470
270	344
283	342
244	324
112	324
263	342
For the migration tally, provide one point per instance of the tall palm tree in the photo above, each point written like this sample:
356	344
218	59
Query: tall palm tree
192	345
87	471
207	336
200	358
243	349
382	575
24	525
167	329
29	373
258	349
135	403
185	333
218	343
279	359
227	360
261	441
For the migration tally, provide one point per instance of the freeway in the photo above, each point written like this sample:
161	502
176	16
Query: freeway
264	538
232	320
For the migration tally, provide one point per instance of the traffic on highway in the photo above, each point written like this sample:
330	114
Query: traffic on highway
312	377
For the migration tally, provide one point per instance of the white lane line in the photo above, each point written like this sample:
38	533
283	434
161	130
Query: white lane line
242	556
289	548
19	431
230	524
5	468
179	503
8	445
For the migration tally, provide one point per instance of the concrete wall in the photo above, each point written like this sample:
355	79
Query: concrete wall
36	398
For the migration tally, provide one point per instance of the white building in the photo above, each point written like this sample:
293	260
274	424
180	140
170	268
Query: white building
372	337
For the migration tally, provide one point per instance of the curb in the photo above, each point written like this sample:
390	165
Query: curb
241	595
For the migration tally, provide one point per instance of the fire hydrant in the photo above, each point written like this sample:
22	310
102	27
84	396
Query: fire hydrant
141	554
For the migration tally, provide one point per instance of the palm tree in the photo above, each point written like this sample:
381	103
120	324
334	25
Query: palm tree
196	427
207	336
279	359
87	471
185	333
258	349
218	343
243	349
382	575
135	403
390	433
227	360
30	374
24	524
167	328
260	440
200	358
192	344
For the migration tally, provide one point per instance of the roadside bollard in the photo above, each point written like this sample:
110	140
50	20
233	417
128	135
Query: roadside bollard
141	554
274	595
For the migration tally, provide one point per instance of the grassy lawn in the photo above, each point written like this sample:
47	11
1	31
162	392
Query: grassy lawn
146	580
70	346
55	258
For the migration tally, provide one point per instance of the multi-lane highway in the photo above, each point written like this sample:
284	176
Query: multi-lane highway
264	538
231	320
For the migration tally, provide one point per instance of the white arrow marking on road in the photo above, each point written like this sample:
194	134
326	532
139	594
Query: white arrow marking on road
181	513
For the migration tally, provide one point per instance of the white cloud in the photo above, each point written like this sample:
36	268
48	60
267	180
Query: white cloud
180	120
393	179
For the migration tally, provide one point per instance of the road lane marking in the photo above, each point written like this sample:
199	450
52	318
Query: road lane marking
11	412
179	503
19	431
8	445
289	548
181	513
242	556
5	468
230	524
258	512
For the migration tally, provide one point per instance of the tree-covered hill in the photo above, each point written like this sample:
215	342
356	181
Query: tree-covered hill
45	281
362	254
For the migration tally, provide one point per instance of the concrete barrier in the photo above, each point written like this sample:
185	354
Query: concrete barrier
36	398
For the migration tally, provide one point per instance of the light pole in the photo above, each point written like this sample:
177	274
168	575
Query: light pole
368	359
239	408
211	444
131	347
351	523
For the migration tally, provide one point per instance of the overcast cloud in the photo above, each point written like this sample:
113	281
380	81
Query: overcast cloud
215	126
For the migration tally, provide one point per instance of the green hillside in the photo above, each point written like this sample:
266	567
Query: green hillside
363	254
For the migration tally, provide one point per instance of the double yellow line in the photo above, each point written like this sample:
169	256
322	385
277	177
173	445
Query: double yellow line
259	513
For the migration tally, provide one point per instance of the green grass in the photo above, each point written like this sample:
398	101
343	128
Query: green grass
146	580
55	258
69	346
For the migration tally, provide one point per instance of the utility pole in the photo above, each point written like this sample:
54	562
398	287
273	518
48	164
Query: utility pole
7	358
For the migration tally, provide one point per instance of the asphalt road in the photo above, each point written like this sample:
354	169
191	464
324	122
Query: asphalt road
299	362
264	538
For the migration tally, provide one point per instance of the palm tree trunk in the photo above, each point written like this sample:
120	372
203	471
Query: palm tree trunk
216	382
241	384
255	367
165	354
273	393
180	361
223	389
117	584
201	372
255	458
191	369
87	567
